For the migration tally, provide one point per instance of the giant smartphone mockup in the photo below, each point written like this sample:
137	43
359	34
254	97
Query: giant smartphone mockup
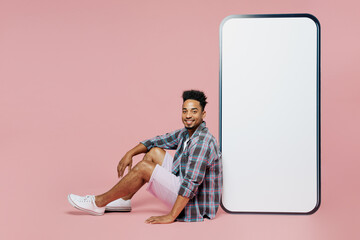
270	113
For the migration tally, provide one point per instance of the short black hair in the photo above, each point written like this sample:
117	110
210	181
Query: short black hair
195	95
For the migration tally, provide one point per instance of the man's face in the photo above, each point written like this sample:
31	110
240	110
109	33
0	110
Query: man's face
192	116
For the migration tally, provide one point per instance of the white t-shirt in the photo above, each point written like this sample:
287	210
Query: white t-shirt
186	143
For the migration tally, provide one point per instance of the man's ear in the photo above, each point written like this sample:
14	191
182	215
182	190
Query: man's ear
204	114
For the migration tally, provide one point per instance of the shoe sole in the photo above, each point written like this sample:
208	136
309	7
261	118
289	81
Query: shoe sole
118	209
83	209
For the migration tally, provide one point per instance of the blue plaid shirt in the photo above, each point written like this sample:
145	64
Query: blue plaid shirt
200	167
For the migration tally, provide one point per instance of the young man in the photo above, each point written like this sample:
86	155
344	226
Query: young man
190	183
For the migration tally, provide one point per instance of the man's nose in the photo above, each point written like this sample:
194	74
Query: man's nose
188	115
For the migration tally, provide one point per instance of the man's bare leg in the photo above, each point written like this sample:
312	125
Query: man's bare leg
156	155
134	180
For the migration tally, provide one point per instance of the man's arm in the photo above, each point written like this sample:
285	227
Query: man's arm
126	161
196	166
179	205
166	141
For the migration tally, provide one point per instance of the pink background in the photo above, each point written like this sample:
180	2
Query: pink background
82	82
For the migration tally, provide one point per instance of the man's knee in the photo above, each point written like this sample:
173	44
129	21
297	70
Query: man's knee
144	169
155	155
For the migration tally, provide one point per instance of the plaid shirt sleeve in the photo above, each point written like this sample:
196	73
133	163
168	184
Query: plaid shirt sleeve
166	141
197	164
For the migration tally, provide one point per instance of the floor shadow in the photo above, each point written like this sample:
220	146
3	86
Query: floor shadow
150	211
110	211
77	213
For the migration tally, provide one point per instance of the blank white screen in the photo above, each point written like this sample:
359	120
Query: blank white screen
269	114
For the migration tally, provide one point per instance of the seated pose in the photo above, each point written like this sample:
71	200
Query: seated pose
190	183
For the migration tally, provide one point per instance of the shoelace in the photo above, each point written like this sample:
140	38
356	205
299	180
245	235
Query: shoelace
88	198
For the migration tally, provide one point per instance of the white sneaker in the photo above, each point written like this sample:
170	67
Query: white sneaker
119	205
86	204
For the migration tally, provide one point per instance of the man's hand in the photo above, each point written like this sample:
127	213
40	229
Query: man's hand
160	219
126	161
179	205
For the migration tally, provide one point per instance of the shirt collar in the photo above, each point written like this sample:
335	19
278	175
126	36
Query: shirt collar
197	131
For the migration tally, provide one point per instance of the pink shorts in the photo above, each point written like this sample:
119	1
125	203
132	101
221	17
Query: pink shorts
163	184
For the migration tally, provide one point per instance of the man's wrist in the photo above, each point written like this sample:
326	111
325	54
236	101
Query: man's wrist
173	215
130	154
